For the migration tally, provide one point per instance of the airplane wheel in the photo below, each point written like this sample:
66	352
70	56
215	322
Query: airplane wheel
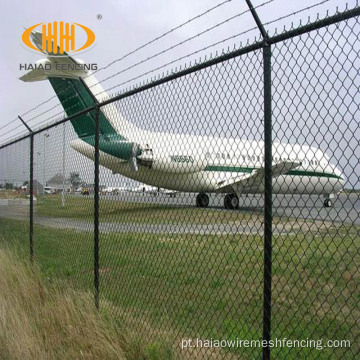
328	203
231	201
202	200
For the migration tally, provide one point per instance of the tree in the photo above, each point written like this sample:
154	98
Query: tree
75	180
8	185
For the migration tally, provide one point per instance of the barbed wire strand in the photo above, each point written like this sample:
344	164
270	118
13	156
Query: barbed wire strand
148	59
153	56
171	62
145	45
9	123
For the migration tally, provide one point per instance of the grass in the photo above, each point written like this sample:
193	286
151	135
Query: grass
119	211
53	321
349	191
12	194
192	286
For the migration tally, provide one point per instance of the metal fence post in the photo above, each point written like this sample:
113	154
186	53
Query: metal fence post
31	197
268	200
63	169
96	193
96	208
31	230
267	183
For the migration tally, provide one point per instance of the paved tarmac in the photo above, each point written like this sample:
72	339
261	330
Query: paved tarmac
297	208
346	207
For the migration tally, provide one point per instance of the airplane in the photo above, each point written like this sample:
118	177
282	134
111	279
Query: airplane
170	193
181	162
155	191
111	190
144	188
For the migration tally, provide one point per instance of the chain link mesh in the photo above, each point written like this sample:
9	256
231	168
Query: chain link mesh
181	221
315	104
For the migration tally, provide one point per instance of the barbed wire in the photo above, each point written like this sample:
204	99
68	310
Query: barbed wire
156	55
180	43
9	123
163	35
180	58
167	64
13	137
142	47
296	12
137	77
210	46
151	57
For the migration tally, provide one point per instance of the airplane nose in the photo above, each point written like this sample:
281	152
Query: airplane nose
342	178
339	173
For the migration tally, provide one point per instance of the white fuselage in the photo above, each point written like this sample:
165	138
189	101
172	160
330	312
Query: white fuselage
199	164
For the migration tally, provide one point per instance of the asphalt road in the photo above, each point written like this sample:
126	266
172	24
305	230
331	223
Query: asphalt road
346	209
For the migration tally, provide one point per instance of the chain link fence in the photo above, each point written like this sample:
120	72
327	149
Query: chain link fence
194	205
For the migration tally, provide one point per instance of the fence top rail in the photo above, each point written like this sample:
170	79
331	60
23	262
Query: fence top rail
330	20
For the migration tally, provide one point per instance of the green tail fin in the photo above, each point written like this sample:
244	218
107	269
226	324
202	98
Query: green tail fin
74	97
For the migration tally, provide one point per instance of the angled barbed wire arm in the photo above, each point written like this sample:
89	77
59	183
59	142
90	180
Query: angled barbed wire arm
25	124
258	21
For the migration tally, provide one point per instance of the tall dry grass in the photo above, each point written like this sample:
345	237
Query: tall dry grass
51	322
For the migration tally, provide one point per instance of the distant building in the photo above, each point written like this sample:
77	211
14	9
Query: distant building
38	188
91	187
56	182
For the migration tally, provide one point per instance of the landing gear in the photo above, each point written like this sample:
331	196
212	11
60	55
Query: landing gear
328	202
202	200
231	201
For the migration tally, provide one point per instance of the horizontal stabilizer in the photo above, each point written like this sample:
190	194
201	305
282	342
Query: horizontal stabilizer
77	90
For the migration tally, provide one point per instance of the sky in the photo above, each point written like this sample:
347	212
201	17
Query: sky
122	26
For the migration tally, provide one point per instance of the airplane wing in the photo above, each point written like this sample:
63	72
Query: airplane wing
255	179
